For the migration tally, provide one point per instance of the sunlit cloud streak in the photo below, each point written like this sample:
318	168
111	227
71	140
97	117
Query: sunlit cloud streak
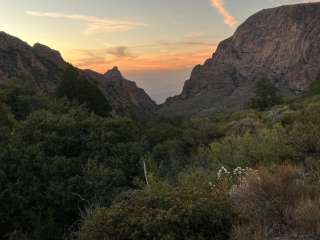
184	43
229	19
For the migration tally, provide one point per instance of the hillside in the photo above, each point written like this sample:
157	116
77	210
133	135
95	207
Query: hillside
280	44
67	172
44	68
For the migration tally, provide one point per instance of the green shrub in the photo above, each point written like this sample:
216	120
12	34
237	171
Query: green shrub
53	165
7	122
243	126
267	95
267	146
315	88
164	213
305	132
78	88
22	98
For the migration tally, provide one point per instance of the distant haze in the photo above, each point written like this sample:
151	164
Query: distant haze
161	84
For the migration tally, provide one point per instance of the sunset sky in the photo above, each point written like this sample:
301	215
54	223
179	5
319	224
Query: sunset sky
154	42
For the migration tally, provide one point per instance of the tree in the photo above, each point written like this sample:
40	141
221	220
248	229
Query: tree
22	98
80	89
315	87
57	162
267	95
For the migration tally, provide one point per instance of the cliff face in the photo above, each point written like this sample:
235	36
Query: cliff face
19	60
281	44
44	68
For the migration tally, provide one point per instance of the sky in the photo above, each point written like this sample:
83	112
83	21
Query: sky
153	42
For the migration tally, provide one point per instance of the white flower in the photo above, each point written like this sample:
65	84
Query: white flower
222	171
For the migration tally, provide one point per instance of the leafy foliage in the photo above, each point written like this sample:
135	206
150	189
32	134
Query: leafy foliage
305	132
78	88
262	148
266	95
57	167
22	98
58	158
163	212
315	87
57	161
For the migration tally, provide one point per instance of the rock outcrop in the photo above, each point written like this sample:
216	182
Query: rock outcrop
280	44
44	68
124	94
19	60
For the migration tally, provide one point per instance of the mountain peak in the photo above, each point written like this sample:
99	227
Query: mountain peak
124	94
113	73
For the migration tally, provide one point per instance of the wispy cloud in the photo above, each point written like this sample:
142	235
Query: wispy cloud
106	56
197	34
184	43
229	19
120	52
93	24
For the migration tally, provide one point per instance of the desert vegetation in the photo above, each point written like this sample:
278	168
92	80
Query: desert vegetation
86	154
69	171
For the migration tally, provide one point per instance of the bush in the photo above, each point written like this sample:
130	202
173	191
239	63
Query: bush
248	232
7	122
55	164
305	132
266	147
80	89
267	95
315	88
22	98
243	126
306	216
165	212
279	200
169	158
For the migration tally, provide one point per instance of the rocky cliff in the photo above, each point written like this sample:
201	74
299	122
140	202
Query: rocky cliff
280	44
19	60
124	94
44	68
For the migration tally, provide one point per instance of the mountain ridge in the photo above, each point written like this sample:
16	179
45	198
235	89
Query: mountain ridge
44	68
280	44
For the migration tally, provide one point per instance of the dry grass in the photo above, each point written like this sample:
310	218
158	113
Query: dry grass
248	232
306	216
279	200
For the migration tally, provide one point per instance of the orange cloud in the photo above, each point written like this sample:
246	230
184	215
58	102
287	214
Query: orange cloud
158	56
160	62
